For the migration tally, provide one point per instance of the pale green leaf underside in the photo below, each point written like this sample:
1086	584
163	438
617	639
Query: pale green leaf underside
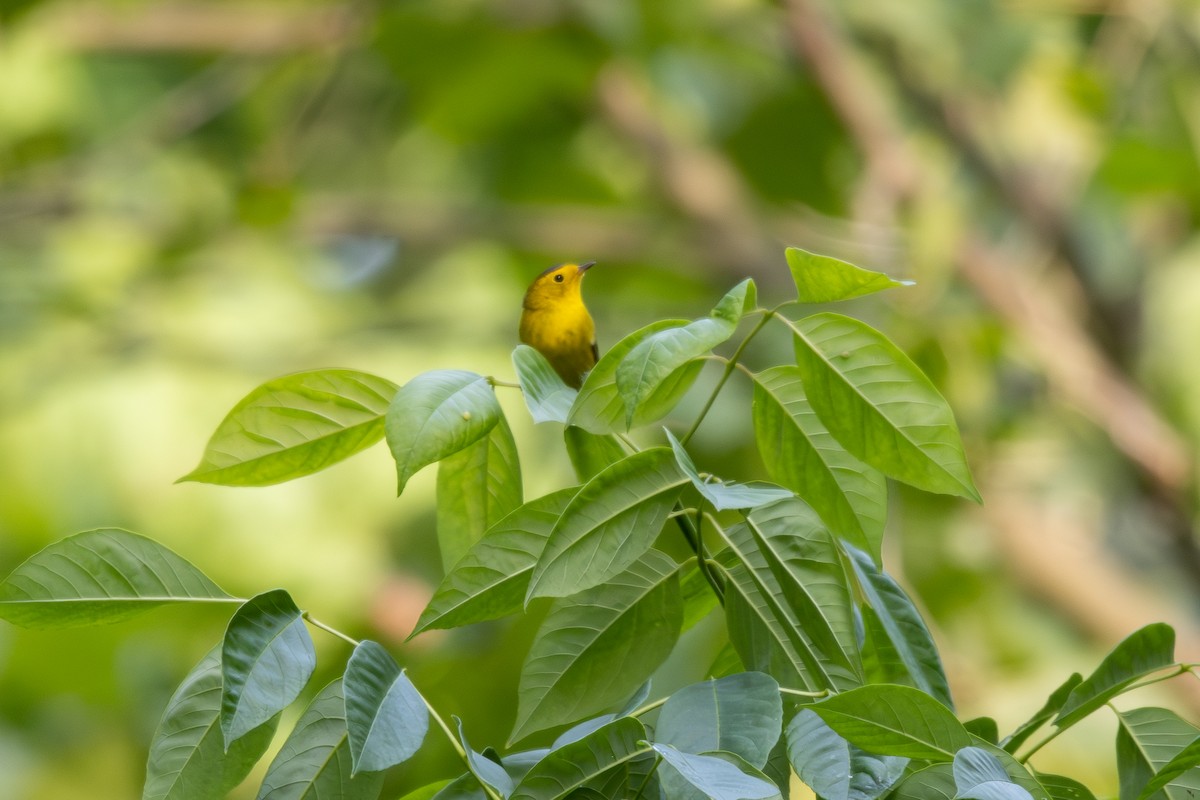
740	714
386	718
879	404
824	279
100	576
715	777
1148	739
834	768
725	495
295	425
582	762
546	396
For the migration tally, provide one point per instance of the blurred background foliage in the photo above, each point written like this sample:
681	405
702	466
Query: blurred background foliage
198	196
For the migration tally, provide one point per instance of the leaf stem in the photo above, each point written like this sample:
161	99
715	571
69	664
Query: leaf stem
506	384
803	693
730	365
646	709
646	781
691	532
316	623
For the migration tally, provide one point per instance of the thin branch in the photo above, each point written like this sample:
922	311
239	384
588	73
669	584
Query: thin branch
316	623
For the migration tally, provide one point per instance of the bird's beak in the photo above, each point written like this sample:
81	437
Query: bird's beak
585	267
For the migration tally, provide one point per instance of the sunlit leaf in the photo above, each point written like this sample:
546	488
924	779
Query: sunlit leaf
101	576
386	718
1144	651
716	777
581	762
476	488
435	415
593	649
267	657
894	720
834	768
591	453
800	453
295	425
599	408
1147	740
652	362
315	760
740	714
901	623
824	279
546	396
613	519
879	404
491	580
188	760
725	495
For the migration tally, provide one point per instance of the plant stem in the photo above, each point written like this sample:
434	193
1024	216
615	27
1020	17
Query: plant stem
458	748
730	365
803	693
646	780
646	709
316	623
692	533
497	382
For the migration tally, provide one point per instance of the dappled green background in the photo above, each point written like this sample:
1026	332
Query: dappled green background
196	197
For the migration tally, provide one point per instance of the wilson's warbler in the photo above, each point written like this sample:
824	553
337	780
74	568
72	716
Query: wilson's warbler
557	324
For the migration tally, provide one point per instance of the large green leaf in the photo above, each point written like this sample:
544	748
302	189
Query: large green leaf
546	396
267	657
796	567
591	453
314	762
1144	651
593	649
740	714
895	720
762	632
879	404
294	426
607	526
715	777
1147	740
1180	773
801	454
386	717
100	576
824	279
935	782
476	488
1049	709
599	408
580	763
910	645
188	760
834	768
491	580
676	787
435	415
725	495
654	361
979	775
1060	787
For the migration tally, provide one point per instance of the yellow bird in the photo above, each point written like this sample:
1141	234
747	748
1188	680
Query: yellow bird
557	324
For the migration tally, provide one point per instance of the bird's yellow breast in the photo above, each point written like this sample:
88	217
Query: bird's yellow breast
564	333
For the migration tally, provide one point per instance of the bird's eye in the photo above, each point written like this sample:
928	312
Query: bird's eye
558	278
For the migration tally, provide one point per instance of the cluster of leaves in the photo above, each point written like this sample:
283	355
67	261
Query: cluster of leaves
829	670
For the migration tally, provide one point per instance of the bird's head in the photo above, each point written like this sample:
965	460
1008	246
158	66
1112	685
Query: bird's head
559	283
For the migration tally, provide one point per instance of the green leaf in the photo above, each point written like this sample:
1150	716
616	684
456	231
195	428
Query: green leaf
484	769
698	597
267	657
677	787
315	760
428	791
984	728
824	279
595	648
1180	773
1047	712
591	453
609	524
657	358
386	717
435	415
802	591
879	404
716	777
599	408
935	782
579	763
1147	740
834	768
294	426
1059	787
725	495
101	576
800	453
901	623
726	662
491	580
546	396
476	488
1144	651
979	775
464	787
740	714
187	759
896	721
1017	772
